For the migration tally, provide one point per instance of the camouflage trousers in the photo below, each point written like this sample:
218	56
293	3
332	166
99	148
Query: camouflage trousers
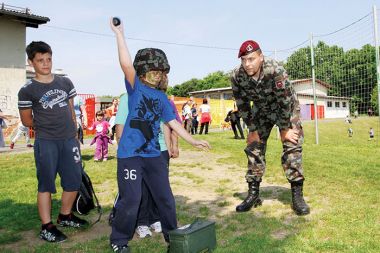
291	158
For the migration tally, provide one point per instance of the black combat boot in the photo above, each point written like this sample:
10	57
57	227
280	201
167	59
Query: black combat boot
298	203
252	200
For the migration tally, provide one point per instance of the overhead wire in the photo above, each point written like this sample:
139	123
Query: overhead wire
206	46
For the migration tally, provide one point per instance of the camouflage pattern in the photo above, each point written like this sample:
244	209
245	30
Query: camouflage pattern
149	59
274	103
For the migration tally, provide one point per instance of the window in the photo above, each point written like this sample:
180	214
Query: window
227	96
344	104
214	96
337	104
329	104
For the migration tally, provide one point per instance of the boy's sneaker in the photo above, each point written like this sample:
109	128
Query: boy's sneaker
12	145
52	234
143	231
104	159
156	227
120	248
96	160
71	221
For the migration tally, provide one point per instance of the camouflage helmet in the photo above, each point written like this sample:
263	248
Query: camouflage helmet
149	59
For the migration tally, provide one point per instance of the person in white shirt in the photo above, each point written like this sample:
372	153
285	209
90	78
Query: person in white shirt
204	110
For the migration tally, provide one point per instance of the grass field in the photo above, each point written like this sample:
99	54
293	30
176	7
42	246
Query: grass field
342	188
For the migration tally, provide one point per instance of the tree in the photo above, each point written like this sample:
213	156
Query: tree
350	74
216	79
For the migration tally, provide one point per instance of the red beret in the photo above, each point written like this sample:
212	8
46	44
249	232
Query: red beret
247	47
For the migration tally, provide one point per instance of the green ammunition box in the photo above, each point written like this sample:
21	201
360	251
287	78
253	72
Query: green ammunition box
193	238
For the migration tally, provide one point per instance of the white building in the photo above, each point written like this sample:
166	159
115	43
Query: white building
13	23
328	106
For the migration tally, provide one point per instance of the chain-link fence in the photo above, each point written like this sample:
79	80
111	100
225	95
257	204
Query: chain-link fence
337	72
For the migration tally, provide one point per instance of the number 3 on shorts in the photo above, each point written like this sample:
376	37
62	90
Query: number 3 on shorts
130	174
76	154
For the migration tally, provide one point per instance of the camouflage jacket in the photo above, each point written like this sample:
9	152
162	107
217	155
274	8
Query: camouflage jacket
272	95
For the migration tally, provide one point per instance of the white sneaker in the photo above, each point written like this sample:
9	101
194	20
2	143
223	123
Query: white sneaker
143	231
156	227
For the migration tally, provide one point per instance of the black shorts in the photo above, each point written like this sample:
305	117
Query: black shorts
58	156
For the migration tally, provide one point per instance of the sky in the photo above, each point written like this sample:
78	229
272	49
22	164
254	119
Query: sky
84	46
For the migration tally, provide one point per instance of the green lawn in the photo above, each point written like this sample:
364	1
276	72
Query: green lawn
342	187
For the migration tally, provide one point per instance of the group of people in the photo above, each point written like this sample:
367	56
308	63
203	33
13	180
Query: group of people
146	129
192	116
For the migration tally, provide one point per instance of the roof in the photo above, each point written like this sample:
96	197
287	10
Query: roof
22	15
294	82
322	96
211	90
309	80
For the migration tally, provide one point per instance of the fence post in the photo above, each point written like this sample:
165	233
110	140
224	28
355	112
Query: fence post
314	90
377	57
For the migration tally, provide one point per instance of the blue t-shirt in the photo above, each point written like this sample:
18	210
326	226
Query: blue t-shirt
121	117
147	107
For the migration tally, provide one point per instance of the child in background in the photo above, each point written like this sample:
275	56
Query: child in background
101	138
111	116
350	132
194	115
371	134
2	125
21	130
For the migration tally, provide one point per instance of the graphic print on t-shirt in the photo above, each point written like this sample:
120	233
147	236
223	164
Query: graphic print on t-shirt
99	128
53	97
147	114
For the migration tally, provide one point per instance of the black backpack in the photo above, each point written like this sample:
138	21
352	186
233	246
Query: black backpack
84	202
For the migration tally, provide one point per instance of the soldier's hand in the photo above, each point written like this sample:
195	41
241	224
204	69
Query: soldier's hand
253	136
291	135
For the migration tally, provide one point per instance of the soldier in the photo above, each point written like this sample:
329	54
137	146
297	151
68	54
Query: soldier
264	82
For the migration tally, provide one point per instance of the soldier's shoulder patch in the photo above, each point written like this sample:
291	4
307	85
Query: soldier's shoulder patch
279	80
280	85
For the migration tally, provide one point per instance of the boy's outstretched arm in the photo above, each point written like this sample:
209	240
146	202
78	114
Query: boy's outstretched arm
124	56
187	137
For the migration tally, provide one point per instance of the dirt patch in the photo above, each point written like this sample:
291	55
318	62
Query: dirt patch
280	234
29	241
201	185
